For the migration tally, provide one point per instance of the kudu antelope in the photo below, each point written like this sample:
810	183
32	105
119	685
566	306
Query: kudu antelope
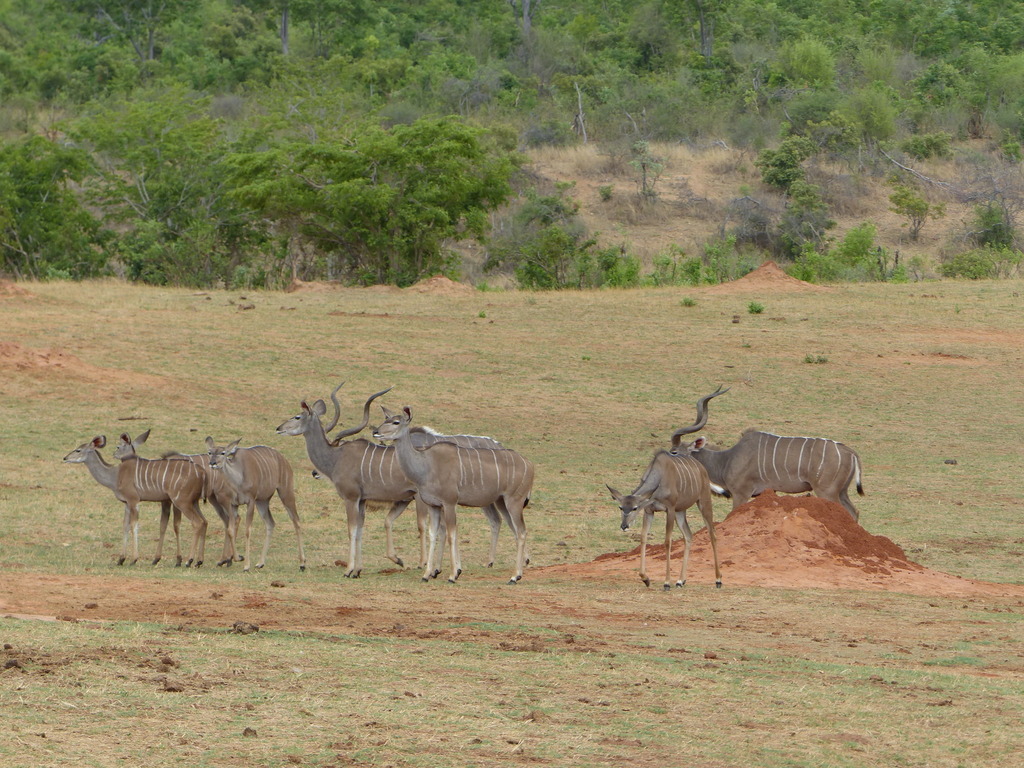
671	484
761	460
447	475
217	491
256	473
362	471
169	481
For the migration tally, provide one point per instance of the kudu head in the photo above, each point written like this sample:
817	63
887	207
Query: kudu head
629	505
394	425
81	454
303	421
702	419
126	446
221	455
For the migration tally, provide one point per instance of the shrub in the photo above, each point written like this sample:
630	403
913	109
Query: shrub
755	308
982	263
927	145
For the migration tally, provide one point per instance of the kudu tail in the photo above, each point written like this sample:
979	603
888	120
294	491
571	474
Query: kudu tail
856	464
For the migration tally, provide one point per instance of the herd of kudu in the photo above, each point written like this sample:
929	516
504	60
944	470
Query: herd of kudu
440	472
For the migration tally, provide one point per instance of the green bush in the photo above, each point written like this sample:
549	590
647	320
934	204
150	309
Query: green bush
926	145
983	263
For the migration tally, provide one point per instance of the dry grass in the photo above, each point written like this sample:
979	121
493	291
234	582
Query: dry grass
697	185
388	671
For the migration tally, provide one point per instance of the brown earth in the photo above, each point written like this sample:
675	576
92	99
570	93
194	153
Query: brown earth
797	542
768	277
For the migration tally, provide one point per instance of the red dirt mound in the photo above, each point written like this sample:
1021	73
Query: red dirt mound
767	277
37	363
792	541
7	288
441	285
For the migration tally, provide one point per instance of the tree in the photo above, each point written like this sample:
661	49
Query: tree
908	203
162	177
44	230
381	203
136	21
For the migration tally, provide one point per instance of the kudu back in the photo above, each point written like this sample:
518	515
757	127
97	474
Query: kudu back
762	460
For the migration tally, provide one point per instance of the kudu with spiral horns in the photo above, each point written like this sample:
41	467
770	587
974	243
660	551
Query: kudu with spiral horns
761	460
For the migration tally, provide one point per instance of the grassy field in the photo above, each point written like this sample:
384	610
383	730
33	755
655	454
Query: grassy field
385	670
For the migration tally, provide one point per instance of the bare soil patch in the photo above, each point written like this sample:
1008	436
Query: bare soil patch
441	286
7	288
51	362
795	542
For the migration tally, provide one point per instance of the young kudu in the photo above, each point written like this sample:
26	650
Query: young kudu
761	460
447	475
217	491
256	474
671	484
171	482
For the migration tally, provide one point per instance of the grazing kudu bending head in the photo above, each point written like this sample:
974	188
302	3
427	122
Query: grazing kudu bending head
447	475
256	473
672	484
360	470
761	460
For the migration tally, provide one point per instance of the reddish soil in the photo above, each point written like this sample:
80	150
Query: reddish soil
797	542
766	277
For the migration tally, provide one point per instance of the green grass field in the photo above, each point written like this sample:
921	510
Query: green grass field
387	671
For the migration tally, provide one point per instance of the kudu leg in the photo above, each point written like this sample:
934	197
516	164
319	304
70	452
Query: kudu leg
684	526
494	521
287	497
707	513
452	536
644	529
227	556
389	522
165	516
268	529
130	532
199	525
433	527
249	512
517	525
355	511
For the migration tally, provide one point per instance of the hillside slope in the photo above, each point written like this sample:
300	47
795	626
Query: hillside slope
697	186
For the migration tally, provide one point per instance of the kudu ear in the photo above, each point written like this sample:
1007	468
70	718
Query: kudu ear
125	438
99	441
699	443
209	443
142	438
387	412
408	412
232	447
615	494
319	408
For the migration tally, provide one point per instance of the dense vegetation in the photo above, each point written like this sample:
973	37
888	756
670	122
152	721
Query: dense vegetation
244	142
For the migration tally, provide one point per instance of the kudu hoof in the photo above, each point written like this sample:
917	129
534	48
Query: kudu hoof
678	584
425	580
718	585
155	561
120	560
399	562
302	568
666	587
646	581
